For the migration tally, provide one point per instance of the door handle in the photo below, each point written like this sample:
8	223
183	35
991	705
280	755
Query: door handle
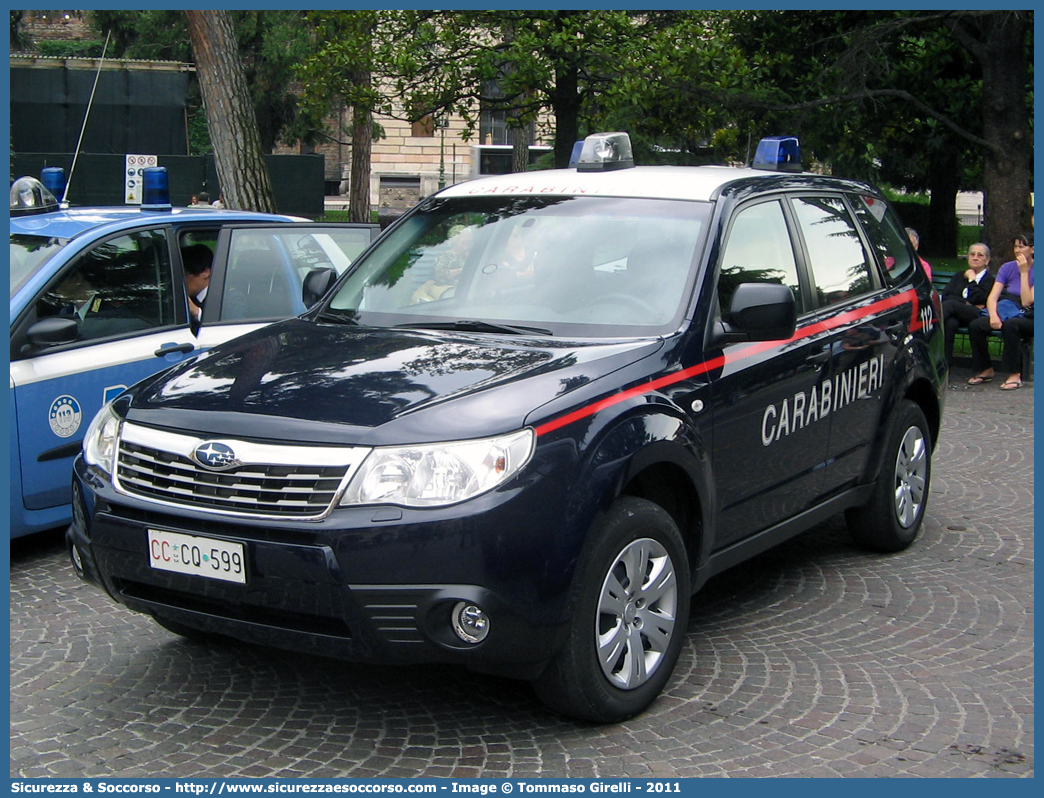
820	357
170	349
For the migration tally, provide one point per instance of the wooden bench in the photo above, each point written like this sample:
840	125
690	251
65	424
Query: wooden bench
940	280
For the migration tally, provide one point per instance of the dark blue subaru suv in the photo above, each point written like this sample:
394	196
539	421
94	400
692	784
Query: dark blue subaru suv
530	422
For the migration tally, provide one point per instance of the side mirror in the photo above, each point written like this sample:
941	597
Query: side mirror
53	331
762	312
316	283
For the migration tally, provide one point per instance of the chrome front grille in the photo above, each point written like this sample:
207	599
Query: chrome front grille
269	480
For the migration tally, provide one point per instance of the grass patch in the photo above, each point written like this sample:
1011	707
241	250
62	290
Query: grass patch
966	236
343	216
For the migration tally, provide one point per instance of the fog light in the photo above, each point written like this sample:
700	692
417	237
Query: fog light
470	623
77	560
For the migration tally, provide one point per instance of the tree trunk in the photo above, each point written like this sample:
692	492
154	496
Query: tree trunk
519	148
362	127
566	106
359	184
241	170
1006	121
944	178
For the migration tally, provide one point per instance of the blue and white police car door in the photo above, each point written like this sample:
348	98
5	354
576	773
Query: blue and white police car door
122	296
259	272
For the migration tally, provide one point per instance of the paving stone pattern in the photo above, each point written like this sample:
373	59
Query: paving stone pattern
814	660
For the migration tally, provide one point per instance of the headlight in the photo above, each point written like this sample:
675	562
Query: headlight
99	444
433	475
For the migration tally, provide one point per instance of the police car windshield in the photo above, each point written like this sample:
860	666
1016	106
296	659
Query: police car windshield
586	266
28	254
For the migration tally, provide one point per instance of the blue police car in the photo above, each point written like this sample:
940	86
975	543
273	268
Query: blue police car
98	301
530	422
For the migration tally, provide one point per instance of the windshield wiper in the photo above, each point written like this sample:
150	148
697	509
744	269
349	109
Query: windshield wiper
338	316
477	325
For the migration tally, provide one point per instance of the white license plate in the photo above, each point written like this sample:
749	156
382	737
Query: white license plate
189	554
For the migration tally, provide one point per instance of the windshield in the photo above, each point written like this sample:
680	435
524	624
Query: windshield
28	254
585	266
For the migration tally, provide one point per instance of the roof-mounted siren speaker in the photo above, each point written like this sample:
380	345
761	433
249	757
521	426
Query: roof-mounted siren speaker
778	154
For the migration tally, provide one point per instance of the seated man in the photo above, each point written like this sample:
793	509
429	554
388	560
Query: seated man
965	295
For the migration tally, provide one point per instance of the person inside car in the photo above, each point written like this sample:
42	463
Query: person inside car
448	266
197	260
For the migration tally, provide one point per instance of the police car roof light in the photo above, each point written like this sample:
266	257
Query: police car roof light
29	196
574	156
155	192
53	179
778	154
603	152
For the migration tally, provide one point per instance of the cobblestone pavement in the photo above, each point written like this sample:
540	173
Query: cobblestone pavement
815	659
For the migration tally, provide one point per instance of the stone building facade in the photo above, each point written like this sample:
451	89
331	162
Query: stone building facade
411	161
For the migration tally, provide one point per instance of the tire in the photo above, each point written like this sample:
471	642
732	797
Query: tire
623	641
892	519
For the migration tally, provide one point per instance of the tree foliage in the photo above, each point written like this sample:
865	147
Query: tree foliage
897	96
922	100
340	71
521	62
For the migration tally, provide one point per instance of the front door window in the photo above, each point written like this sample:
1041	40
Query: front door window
122	286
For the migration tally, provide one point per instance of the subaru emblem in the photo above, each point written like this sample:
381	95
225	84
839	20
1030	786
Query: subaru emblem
215	456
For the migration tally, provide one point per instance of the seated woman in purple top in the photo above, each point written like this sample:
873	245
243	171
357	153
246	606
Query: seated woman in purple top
1009	308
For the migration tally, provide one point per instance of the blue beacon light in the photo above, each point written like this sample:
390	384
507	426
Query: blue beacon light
778	154
53	179
155	193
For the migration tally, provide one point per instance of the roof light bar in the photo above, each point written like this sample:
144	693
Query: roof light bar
574	156
28	196
604	152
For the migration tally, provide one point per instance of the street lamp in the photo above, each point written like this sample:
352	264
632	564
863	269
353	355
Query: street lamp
442	122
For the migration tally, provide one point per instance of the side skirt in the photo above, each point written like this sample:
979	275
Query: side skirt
773	536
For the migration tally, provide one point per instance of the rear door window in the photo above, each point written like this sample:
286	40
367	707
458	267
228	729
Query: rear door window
839	265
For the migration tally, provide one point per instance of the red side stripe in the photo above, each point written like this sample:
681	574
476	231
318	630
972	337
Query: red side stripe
739	354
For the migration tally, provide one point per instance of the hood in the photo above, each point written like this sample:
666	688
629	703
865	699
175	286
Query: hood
299	380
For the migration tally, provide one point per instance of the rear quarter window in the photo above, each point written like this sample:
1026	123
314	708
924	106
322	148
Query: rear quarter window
839	265
886	236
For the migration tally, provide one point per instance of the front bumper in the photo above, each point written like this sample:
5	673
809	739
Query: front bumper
366	584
